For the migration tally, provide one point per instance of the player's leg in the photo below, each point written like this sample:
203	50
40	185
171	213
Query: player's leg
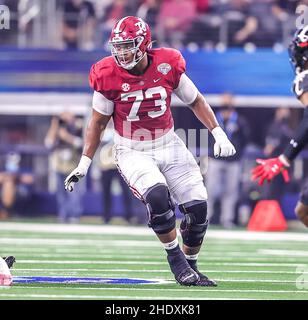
301	208
163	222
186	185
214	184
230	197
10	260
301	211
193	228
8	193
146	181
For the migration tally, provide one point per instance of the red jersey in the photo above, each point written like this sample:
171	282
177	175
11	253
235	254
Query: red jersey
141	102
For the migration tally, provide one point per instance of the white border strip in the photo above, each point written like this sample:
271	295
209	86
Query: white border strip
80	103
143	231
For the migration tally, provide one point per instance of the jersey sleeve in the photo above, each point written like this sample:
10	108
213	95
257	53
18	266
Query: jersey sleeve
101	104
186	90
300	84
179	67
93	78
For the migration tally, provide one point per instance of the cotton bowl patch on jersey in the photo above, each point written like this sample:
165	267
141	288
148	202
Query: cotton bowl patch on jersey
164	68
84	280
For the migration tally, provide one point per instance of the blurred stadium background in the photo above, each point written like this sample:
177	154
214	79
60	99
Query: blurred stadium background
236	47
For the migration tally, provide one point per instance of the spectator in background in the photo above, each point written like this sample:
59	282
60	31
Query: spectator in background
114	12
149	11
16	186
9	36
224	174
78	25
217	16
205	27
268	18
287	7
109	173
277	137
64	139
174	20
240	24
202	5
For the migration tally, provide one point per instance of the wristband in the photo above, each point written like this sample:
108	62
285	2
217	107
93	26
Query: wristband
284	160
219	134
84	163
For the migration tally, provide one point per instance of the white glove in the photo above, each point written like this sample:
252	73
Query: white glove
222	147
77	173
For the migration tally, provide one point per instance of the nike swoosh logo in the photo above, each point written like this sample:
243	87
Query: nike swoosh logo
155	80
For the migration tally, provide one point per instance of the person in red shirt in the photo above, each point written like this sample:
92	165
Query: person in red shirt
134	86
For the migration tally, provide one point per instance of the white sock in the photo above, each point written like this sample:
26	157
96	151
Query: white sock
171	245
192	256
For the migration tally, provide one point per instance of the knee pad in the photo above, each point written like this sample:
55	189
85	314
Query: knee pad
194	224
160	209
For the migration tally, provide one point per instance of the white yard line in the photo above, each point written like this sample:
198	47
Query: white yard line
290	253
32	261
255	264
143	231
133	256
102	275
16	270
66	296
79	242
192	289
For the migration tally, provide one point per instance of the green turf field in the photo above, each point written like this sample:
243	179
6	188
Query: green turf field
246	265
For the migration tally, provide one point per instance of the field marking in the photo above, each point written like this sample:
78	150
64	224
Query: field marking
143	231
277	252
73	250
216	278
160	256
254	264
32	261
161	270
191	289
65	296
133	256
80	242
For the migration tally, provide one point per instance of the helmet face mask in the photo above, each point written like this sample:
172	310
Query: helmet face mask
130	39
126	53
298	50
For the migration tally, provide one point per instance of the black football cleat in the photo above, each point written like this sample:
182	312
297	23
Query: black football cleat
187	277
10	260
183	273
204	281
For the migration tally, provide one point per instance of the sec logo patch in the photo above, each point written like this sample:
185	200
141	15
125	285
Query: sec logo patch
125	87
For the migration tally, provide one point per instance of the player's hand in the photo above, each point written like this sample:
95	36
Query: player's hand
222	147
268	169
77	173
73	178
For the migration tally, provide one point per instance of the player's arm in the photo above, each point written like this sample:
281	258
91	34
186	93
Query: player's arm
300	139
51	135
94	131
101	114
269	168
190	95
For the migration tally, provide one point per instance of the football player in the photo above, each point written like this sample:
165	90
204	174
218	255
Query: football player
10	260
134	86
268	169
